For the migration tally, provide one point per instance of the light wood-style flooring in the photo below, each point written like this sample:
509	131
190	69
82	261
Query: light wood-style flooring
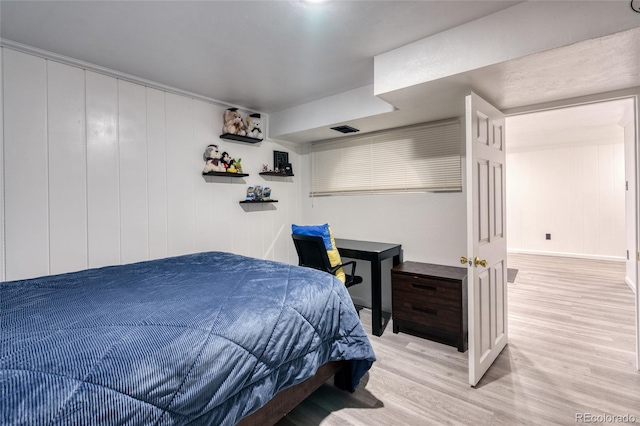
571	350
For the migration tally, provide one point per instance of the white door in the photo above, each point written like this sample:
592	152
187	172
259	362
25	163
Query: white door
637	212
486	237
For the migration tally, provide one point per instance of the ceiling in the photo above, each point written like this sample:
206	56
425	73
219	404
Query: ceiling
269	56
262	55
591	67
593	123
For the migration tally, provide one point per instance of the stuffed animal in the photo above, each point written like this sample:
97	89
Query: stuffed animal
225	160
234	123
254	126
235	166
212	159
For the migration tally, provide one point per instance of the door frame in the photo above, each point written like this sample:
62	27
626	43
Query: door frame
631	93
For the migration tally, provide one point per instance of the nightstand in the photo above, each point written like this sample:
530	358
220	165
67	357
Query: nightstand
431	299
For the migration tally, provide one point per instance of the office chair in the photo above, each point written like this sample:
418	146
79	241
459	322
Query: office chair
312	253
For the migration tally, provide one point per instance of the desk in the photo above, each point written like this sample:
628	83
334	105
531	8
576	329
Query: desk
374	253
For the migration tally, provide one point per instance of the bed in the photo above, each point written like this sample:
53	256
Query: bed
207	338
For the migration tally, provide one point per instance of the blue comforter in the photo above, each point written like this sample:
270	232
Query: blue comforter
206	338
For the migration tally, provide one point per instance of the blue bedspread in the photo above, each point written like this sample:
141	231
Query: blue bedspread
203	339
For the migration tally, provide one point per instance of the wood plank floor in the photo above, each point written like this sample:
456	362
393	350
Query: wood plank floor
571	350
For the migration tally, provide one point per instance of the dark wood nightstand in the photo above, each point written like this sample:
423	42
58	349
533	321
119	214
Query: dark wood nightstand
431	299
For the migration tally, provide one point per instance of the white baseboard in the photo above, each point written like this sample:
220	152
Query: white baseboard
631	285
572	255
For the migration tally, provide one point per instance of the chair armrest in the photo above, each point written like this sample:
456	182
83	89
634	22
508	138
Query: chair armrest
353	268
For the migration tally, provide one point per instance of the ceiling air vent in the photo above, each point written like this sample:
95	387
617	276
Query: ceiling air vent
345	129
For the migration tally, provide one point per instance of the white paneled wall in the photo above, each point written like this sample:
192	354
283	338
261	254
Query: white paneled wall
180	185
103	194
100	171
157	173
575	193
67	168
26	165
202	131
133	164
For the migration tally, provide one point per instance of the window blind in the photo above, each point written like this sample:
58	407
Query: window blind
418	158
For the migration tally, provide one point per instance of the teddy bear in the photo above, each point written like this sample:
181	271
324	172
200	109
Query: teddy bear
254	126
212	159
234	123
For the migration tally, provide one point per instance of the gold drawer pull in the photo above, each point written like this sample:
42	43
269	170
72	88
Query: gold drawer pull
425	310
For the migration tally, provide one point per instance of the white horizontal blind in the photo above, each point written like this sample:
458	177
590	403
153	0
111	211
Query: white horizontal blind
418	158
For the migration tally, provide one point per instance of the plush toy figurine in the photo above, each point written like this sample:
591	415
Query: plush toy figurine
212	161
225	160
234	123
235	166
254	126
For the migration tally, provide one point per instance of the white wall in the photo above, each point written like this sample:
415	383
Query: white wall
430	226
575	193
101	171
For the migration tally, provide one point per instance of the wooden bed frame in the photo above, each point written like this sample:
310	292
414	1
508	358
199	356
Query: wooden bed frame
288	399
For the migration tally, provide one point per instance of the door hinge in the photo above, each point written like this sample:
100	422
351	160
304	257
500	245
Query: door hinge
627	254
638	256
626	185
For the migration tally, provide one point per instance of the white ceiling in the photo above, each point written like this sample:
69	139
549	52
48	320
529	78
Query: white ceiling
593	123
590	67
262	55
272	55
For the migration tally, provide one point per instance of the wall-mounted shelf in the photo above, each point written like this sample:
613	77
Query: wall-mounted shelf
258	201
232	137
225	174
276	174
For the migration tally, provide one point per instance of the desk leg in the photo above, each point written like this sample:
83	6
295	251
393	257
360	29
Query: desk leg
397	259
376	297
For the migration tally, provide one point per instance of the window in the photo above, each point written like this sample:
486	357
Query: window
425	157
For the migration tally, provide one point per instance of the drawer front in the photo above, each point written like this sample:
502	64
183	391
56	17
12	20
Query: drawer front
444	318
415	287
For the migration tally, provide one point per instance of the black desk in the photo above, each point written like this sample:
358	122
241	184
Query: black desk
374	253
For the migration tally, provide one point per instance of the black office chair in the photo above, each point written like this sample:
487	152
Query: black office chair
313	254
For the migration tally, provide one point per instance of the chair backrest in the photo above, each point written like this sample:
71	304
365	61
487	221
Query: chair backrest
311	252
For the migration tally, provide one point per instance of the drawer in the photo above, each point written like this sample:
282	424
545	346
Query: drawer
444	318
416	287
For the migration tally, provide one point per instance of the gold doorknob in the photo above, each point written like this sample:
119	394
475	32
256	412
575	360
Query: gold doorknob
477	262
464	260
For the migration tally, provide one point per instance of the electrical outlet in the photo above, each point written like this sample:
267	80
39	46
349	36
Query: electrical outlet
548	236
